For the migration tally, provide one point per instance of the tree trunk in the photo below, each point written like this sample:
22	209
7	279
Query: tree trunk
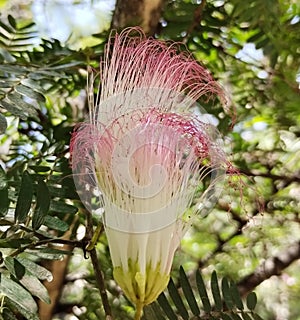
143	13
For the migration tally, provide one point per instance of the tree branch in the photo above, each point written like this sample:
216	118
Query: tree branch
241	222
196	21
271	267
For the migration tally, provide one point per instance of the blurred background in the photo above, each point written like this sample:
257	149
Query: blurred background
252	48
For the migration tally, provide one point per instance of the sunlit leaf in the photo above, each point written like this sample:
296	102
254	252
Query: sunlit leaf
33	84
39	271
26	278
6	27
49	253
13	108
14	69
28	109
28	92
17	293
28	314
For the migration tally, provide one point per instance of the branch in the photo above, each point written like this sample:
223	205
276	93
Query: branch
196	21
101	284
271	267
97	269
241	222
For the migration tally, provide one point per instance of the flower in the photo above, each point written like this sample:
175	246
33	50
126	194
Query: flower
153	161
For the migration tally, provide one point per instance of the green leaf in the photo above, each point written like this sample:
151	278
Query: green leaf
13	108
28	110
25	198
235	316
163	302
245	316
256	317
152	311
65	66
13	243
28	314
227	294
14	267
188	292
27	26
49	253
12	21
216	291
17	293
225	316
3	180
4	203
33	84
42	205
40	169
28	92
48	73
27	279
6	314
3	124
62	207
39	271
55	223
13	68
236	296
7	83
177	299
203	293
251	300
6	28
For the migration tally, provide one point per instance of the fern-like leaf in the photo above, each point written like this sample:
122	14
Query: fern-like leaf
226	302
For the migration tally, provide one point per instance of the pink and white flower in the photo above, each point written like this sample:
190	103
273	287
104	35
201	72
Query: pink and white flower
154	162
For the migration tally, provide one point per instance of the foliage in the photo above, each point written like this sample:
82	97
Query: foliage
41	99
227	303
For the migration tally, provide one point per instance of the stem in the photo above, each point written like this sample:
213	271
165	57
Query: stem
138	311
96	266
100	283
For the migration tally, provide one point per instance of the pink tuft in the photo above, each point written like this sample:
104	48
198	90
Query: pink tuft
133	61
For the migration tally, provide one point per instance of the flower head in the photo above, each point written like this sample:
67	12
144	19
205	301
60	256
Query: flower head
154	162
